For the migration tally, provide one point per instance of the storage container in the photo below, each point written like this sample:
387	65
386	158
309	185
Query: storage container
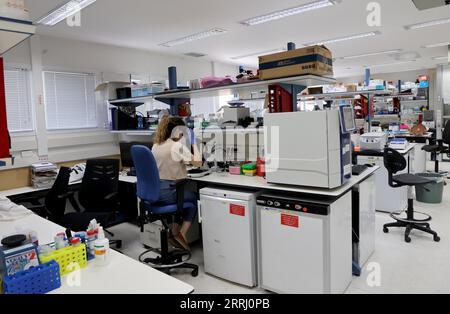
38	280
69	258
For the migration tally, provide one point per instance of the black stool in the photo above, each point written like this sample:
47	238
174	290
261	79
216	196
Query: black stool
395	162
439	148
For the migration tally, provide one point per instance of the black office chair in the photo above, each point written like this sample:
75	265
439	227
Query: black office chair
55	201
395	162
148	191
98	197
438	148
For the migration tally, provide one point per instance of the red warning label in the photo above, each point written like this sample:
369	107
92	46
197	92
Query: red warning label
290	221
237	210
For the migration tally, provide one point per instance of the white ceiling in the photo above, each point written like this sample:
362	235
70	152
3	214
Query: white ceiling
145	24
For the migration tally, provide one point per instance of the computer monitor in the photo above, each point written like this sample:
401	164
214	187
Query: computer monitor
348	121
125	152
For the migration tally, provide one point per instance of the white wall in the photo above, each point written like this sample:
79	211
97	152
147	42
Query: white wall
56	54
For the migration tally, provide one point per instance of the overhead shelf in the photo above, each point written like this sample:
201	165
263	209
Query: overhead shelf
249	87
13	32
135	132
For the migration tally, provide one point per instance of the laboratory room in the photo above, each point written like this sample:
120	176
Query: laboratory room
207	149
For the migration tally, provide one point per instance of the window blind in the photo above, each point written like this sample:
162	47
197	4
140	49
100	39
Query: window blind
70	100
19	108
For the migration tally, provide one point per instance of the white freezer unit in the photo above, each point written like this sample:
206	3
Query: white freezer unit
229	235
307	149
304	245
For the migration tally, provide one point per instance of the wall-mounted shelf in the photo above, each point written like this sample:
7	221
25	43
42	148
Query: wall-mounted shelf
13	32
344	94
134	100
135	132
248	87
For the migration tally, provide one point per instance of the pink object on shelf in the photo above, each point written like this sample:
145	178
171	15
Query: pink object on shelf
212	81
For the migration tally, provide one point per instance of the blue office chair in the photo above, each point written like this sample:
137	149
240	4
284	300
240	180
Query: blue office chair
148	192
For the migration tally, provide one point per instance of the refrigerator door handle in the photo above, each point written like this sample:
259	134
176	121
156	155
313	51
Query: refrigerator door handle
200	219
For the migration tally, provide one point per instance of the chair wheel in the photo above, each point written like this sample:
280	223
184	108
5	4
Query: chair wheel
385	230
194	273
407	239
437	239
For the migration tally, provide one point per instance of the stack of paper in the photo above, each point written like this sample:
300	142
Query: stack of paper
43	175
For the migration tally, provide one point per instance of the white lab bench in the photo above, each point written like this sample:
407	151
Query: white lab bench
122	275
365	226
389	199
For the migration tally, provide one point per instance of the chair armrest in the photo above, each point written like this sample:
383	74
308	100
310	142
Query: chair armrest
66	195
111	196
74	202
35	207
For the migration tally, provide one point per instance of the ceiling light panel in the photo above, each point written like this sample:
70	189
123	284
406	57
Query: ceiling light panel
372	54
257	54
428	24
441	58
390	64
194	37
438	45
63	12
316	5
340	39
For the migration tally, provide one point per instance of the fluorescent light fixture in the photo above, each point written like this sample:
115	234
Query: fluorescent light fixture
339	39
261	53
372	54
390	64
193	37
441	58
428	24
289	12
66	10
445	44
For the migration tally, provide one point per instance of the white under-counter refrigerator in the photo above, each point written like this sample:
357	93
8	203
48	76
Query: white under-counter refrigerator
304	243
229	234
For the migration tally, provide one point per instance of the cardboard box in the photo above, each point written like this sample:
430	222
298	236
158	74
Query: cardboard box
315	60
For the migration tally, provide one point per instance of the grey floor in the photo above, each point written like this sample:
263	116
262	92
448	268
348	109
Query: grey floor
422	266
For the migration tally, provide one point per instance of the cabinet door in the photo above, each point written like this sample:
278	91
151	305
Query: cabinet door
228	239
291	252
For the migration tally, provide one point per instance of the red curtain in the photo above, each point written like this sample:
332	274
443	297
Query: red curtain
4	139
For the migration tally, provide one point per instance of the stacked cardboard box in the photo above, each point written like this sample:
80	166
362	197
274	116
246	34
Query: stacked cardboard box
316	60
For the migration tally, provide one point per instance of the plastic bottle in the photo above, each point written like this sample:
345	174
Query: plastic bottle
91	237
101	246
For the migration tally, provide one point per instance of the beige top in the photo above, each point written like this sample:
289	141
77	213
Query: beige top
171	158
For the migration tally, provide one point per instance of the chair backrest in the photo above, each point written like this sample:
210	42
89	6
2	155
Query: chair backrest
446	134
54	203
100	180
394	161
148	184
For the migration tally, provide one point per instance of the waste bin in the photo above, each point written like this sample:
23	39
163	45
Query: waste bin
430	193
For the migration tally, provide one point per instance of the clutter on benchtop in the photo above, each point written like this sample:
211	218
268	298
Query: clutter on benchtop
28	267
